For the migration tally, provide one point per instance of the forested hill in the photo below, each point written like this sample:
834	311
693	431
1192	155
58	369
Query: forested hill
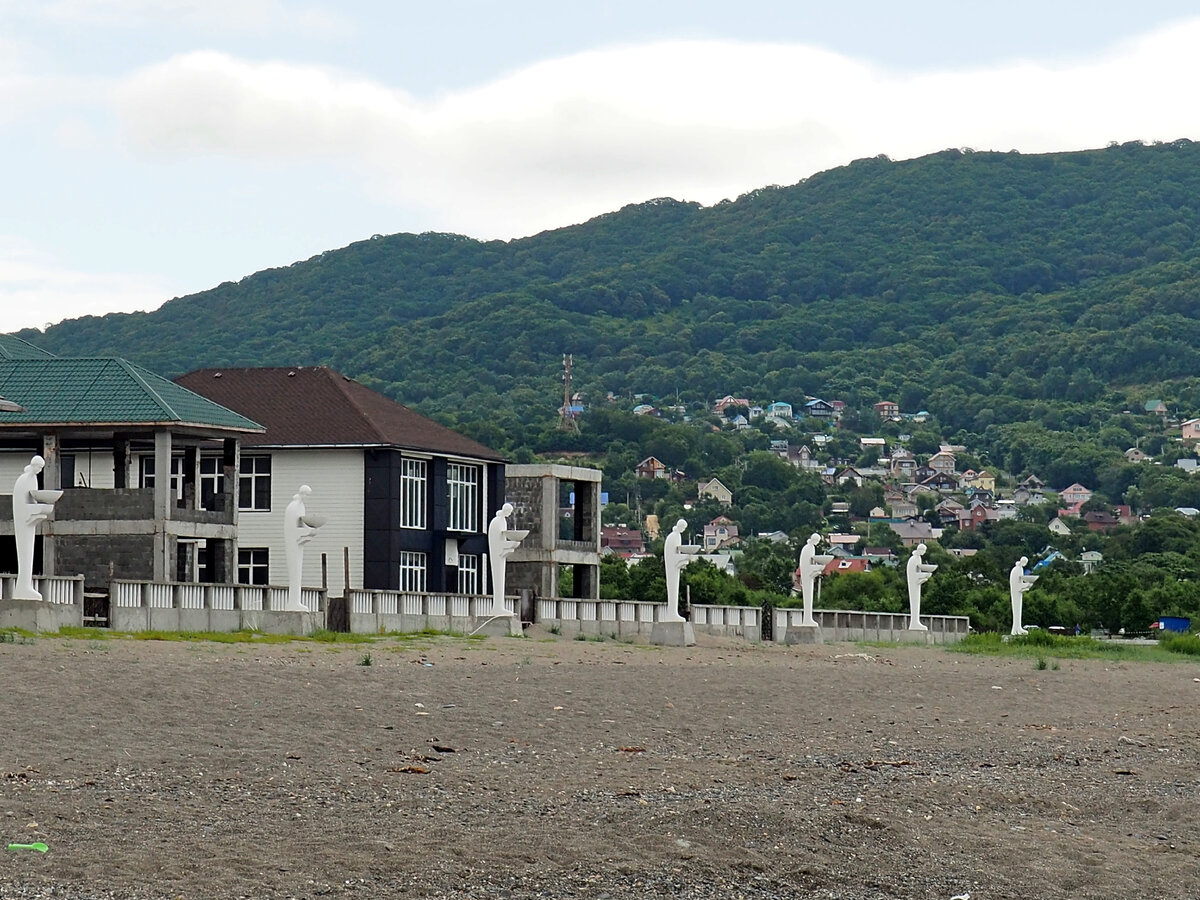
958	282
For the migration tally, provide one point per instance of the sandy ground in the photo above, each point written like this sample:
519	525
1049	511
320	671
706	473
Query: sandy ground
546	767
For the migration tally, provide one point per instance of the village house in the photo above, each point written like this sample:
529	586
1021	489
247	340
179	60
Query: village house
887	409
913	531
719	407
651	467
942	462
713	489
780	410
818	408
846	566
1190	430
622	540
721	532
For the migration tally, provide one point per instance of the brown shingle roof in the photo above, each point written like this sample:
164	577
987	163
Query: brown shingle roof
316	406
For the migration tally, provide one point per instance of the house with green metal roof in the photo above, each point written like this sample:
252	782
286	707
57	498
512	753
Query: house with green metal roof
106	428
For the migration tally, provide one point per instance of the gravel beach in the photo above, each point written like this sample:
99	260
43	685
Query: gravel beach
548	767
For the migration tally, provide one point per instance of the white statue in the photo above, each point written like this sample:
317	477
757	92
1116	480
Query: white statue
30	506
676	555
1018	584
501	542
812	564
918	573
298	530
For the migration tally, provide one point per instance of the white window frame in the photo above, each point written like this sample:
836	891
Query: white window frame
215	477
468	573
414	493
463	483
254	483
251	561
413	568
146	473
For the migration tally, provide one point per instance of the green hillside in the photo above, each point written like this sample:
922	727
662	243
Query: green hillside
961	282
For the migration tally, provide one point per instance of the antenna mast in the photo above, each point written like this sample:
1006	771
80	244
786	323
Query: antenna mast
566	419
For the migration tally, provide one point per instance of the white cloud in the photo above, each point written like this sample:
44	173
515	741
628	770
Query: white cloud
217	15
569	138
33	282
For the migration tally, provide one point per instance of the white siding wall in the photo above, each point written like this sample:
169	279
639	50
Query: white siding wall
94	467
11	465
336	479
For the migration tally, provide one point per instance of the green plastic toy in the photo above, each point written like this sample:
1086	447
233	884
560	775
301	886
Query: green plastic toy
39	847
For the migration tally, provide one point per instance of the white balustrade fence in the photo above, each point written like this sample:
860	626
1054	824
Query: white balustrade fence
188	606
848	625
372	612
54	589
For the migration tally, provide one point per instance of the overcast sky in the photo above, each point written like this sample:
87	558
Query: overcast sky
154	148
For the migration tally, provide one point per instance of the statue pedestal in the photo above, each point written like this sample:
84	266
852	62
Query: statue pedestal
39	615
673	634
498	626
803	634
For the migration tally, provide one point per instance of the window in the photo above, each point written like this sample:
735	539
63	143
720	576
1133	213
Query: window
463	484
254	485
412	571
468	573
253	566
413	493
146	474
212	483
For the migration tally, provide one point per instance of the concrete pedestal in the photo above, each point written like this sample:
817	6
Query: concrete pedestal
39	615
673	634
498	626
803	634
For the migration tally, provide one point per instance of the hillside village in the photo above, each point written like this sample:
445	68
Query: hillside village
880	481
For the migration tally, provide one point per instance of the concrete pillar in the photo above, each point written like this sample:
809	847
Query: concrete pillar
50	478
164	498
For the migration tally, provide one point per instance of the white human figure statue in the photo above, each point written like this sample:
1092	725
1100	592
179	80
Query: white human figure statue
502	541
28	511
812	564
296	533
676	555
918	572
1018	584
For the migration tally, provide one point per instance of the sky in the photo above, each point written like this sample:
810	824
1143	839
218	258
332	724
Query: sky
155	148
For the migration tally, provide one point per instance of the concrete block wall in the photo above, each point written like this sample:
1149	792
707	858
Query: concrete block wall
131	556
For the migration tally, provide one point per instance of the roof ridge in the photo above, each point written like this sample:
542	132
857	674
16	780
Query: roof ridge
137	373
342	389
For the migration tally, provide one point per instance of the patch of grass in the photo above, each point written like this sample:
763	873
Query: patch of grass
555	629
580	636
16	636
365	660
1186	644
1043	644
324	635
1040	665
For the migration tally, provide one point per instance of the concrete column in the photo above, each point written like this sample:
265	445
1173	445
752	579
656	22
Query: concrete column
549	512
50	478
164	564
